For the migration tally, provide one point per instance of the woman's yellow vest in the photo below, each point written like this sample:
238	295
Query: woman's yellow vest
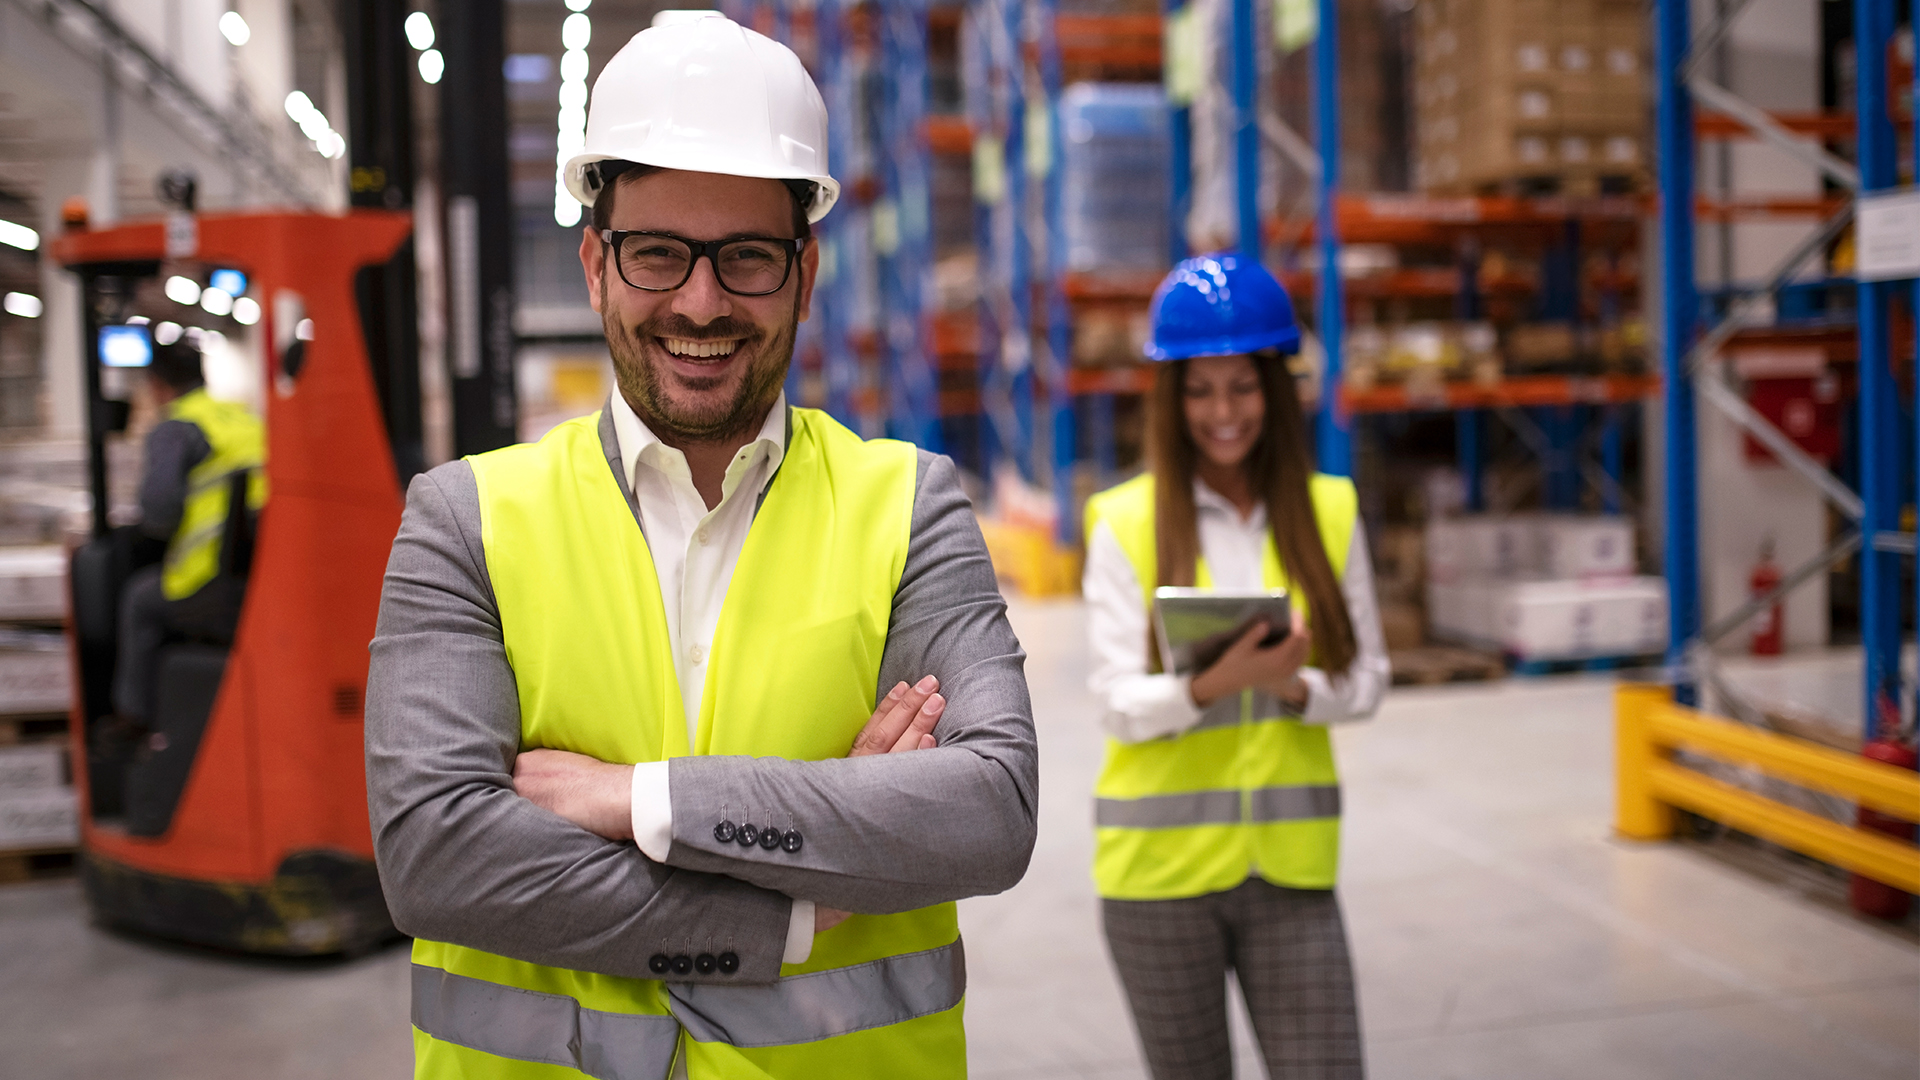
1249	789
237	443
792	673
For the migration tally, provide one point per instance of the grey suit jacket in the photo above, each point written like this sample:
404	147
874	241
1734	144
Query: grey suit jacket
466	860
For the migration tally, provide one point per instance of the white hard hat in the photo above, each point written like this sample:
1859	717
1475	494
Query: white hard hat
698	91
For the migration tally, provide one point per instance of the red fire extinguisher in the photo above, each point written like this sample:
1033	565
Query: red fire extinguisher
1870	897
1769	625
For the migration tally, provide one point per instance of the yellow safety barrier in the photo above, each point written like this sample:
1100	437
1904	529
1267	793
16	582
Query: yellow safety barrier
1648	727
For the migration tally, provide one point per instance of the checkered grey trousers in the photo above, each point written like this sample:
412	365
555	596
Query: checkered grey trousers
1289	950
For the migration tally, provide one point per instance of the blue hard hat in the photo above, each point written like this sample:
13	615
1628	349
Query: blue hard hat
1220	305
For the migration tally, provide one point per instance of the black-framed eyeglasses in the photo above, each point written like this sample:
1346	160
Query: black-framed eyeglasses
662	262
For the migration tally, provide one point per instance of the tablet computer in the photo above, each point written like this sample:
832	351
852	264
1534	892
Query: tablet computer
1194	626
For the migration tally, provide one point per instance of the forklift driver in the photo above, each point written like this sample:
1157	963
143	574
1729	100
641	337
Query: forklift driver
196	459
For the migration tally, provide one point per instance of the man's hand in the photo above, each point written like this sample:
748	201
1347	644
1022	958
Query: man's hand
1245	664
903	721
592	794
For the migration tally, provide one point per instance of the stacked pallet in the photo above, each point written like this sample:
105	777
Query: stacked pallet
1530	96
39	813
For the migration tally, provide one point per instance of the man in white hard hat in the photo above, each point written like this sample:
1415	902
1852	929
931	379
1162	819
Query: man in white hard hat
658	701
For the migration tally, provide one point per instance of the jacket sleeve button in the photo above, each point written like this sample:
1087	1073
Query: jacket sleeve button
705	963
723	832
729	963
682	964
747	836
659	964
791	842
770	838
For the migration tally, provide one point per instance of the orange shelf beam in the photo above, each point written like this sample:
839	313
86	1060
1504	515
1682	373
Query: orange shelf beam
1713	125
948	134
1524	390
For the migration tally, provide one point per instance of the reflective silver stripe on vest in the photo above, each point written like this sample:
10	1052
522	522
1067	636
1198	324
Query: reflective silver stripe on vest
551	1028
1168	811
1296	803
1226	711
822	1004
1190	808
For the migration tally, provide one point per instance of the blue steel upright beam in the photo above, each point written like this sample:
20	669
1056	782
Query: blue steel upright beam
839	368
1020	246
1246	130
912	391
1065	434
1873	24
1179	166
1333	441
1673	156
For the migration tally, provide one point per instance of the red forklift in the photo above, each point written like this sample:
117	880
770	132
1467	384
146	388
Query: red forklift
239	820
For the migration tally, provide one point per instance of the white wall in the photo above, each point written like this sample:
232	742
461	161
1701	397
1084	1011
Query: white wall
1773	61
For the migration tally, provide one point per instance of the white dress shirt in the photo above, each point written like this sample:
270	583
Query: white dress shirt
1138	706
694	553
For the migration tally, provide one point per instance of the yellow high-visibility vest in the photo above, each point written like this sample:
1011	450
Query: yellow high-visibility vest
1249	790
804	621
238	443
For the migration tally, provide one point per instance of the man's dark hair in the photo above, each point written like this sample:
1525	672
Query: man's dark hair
178	366
614	173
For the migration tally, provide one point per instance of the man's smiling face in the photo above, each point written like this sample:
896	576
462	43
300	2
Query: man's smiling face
699	363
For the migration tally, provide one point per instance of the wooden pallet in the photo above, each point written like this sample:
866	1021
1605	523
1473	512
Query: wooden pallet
19	729
1430	665
19	866
1531	668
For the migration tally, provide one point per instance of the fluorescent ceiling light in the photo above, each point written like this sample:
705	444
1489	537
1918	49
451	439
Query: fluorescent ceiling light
235	29
419	27
19	236
432	66
25	305
183	290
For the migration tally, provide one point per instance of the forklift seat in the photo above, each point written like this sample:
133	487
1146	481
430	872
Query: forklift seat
144	782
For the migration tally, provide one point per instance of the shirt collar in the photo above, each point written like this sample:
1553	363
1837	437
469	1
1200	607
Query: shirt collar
638	445
1206	499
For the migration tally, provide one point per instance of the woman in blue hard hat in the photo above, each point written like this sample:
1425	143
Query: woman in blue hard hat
1217	808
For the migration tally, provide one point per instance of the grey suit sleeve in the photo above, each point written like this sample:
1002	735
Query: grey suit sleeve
463	858
173	448
895	832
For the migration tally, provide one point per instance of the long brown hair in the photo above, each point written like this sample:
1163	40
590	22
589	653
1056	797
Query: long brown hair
1278	467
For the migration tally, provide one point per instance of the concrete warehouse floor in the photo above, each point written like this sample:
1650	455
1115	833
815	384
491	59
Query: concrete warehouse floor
1499	932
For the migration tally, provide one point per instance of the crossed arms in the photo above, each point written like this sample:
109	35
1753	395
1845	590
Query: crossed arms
466	859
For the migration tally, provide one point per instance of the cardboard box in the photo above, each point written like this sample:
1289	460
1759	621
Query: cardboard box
48	818
33	583
34	767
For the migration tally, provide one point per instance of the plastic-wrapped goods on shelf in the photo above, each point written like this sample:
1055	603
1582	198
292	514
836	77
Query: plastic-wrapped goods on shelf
36	676
1558	546
33	583
1550	620
39	818
1114	179
32	767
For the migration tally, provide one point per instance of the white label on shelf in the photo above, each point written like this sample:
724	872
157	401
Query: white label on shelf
1889	232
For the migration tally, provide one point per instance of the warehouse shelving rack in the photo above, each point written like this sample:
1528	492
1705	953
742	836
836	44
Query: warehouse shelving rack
1690	361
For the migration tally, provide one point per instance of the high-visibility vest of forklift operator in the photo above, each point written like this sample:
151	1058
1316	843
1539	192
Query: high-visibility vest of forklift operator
236	442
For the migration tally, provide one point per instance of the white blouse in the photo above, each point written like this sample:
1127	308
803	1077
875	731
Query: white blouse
1138	706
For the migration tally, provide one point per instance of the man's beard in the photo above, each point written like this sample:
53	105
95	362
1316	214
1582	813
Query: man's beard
715	421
